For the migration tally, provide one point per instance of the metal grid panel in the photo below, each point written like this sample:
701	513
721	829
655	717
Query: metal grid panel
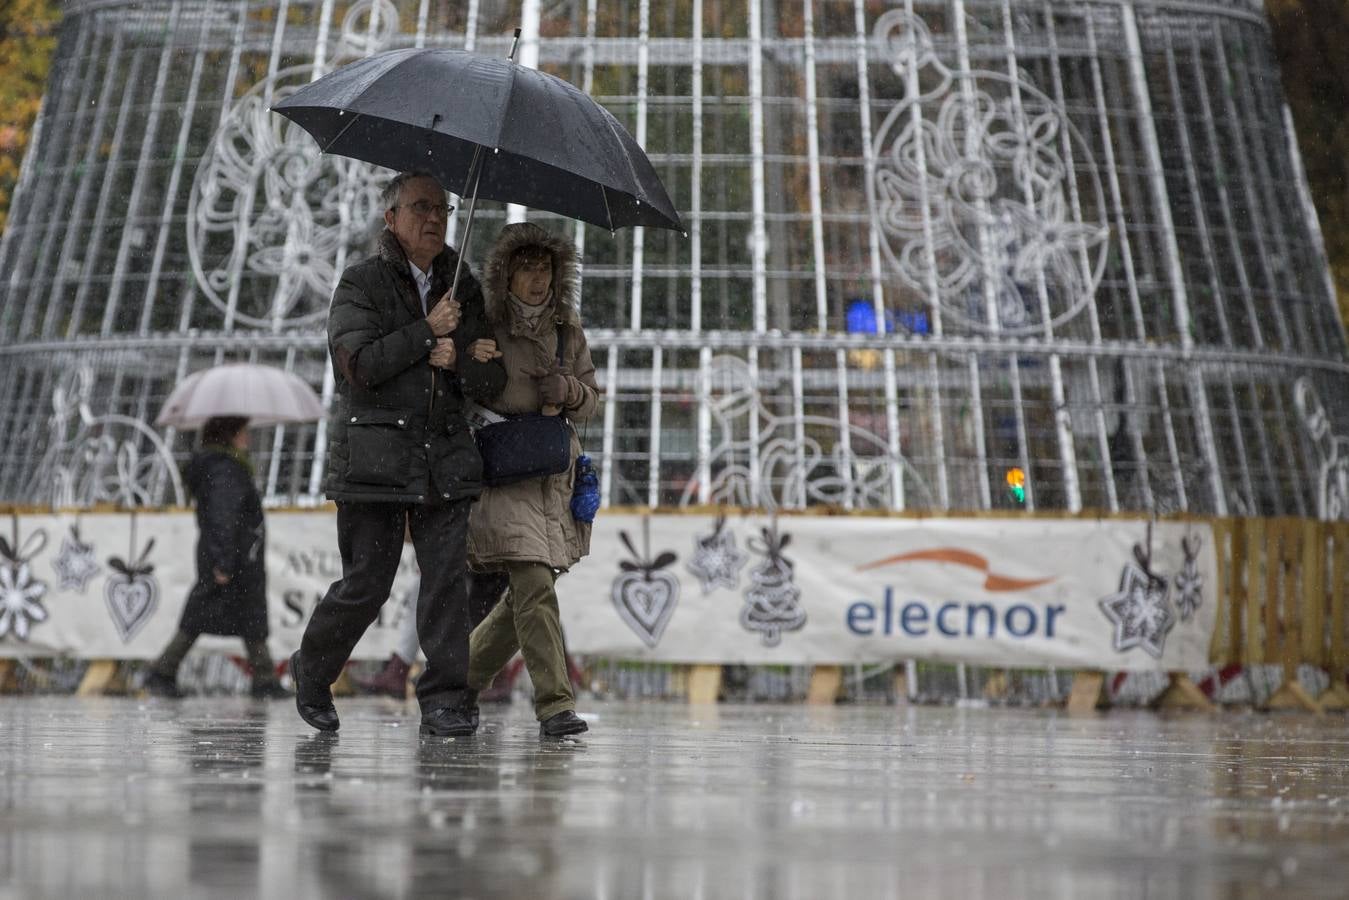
1096	265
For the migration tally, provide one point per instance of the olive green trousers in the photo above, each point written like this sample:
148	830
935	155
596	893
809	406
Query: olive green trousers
527	619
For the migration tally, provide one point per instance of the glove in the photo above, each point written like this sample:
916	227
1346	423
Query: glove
553	389
554	384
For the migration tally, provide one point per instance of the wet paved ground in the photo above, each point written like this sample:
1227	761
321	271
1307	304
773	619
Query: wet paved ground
224	797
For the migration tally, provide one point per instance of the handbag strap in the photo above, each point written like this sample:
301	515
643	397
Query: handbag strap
561	361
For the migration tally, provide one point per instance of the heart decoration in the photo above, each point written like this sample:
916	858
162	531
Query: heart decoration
645	601
644	595
131	592
131	602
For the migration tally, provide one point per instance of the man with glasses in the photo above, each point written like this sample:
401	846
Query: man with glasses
405	355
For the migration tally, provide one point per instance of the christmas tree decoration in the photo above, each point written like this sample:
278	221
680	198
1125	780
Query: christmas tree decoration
644	595
716	560
132	594
20	595
75	564
772	603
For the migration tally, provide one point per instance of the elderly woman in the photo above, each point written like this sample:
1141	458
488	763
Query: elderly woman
523	534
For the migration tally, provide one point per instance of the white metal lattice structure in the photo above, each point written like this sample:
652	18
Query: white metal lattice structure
930	241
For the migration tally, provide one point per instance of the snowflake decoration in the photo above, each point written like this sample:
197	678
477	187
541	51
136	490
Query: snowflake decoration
716	560
1140	611
75	564
20	600
1189	583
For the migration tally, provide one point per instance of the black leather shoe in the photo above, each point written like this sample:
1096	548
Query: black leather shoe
448	722
564	723
313	703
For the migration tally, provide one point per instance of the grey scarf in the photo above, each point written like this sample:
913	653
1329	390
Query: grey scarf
530	315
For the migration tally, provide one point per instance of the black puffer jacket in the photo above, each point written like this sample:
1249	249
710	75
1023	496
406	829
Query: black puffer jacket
398	431
232	538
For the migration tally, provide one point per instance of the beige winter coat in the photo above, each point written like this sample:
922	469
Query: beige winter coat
531	521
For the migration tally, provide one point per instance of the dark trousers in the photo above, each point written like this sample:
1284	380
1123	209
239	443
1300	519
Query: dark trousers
259	659
370	539
484	592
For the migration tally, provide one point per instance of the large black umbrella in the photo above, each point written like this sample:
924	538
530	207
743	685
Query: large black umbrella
538	140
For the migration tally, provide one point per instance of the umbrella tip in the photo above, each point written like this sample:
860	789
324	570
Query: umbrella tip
517	32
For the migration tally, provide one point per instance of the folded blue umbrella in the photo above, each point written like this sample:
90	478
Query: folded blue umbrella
585	491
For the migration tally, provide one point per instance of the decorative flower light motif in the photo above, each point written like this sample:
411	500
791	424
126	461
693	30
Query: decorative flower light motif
20	595
859	472
1332	490
20	598
100	459
271	220
972	192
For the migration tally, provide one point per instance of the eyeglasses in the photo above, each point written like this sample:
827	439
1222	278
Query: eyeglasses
422	208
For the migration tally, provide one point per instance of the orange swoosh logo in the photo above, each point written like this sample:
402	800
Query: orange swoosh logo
993	582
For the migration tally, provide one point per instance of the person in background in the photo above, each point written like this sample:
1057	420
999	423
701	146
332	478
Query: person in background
523	535
230	595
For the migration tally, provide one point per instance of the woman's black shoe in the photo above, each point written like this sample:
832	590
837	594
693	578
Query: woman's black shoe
564	723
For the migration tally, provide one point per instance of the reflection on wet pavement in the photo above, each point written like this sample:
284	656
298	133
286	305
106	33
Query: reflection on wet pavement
226	797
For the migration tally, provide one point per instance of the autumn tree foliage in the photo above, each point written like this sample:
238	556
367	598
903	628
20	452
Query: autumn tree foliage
27	39
1310	37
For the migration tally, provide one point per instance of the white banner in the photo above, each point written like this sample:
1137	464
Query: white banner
60	592
687	588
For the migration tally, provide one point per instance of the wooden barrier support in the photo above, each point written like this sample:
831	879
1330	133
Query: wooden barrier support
98	678
1182	693
1336	697
1337	654
1290	564
704	684
8	669
1086	692
825	684
1292	695
901	685
997	686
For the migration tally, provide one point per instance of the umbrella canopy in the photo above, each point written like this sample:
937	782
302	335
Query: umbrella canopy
545	144
261	394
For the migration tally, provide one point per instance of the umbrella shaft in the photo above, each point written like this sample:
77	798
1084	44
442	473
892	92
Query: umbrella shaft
474	176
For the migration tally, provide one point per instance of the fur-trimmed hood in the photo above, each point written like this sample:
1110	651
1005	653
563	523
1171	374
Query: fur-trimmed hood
566	274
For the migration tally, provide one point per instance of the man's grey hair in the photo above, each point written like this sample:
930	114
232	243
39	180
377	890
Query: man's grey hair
393	191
